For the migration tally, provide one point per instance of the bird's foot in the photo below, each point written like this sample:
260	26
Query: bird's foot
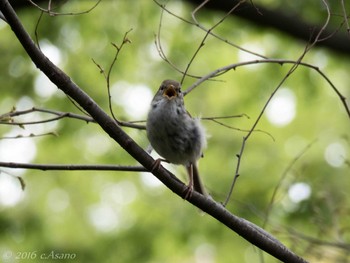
188	191
156	164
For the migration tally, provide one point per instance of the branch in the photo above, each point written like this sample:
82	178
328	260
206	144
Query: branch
293	68
315	241
7	118
281	62
108	75
207	33
346	21
215	120
249	231
31	135
51	13
197	24
281	180
73	167
159	47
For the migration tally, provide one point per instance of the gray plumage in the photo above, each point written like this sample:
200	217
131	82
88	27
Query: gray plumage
172	132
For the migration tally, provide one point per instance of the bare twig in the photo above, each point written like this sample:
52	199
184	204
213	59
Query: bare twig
201	45
207	33
32	135
197	24
345	15
73	167
37	28
290	72
108	74
118	48
159	47
7	118
224	69
284	175
281	62
239	158
316	241
215	120
226	117
51	13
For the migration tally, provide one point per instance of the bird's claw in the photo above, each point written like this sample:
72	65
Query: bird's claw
156	164
188	192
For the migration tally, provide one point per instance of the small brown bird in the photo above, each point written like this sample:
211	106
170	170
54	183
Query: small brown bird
174	134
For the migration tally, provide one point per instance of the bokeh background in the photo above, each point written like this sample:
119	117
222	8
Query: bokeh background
294	176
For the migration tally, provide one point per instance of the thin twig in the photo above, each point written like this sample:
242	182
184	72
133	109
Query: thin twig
73	167
316	241
226	117
238	129
7	118
239	157
159	47
37	29
289	73
211	33
201	45
107	76
118	48
196	23
281	62
51	13
345	15
284	175
32	135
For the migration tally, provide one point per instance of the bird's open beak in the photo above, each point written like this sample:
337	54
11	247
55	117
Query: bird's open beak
170	92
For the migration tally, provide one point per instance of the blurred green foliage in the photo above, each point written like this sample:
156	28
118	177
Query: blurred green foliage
129	217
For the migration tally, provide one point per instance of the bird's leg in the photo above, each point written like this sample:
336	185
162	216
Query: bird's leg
189	189
156	164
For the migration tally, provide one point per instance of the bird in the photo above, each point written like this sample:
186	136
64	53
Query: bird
174	134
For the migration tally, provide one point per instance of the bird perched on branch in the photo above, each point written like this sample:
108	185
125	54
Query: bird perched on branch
174	134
